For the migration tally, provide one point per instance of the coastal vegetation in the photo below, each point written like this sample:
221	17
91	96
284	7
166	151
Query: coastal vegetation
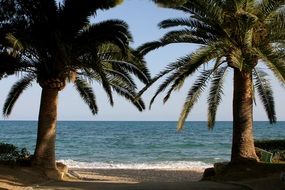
12	155
232	35
56	43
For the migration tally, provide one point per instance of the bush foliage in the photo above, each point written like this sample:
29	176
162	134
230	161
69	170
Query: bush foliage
12	155
277	147
271	145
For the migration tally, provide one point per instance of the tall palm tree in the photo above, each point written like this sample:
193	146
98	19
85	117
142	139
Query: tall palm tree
60	45
235	35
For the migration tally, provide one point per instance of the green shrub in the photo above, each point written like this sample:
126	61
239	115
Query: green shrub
277	147
11	155
270	145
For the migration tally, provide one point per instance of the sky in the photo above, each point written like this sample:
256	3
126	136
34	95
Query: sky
142	17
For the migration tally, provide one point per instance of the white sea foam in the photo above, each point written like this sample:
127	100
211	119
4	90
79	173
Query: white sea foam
167	165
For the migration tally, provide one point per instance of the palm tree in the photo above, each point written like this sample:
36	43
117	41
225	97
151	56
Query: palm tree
60	45
233	35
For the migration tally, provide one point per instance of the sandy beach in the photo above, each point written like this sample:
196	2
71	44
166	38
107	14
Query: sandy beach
118	179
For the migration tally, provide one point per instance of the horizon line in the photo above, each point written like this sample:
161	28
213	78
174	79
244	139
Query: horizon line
136	120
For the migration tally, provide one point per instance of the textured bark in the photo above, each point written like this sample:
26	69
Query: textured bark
44	155
243	144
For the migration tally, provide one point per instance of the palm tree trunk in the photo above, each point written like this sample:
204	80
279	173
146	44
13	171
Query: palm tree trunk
44	156
243	144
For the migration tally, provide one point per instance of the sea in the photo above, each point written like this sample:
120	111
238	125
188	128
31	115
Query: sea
137	144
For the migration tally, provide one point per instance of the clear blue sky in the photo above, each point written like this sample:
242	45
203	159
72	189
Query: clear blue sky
142	17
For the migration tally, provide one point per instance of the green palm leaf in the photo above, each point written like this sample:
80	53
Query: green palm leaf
167	70
87	94
138	103
274	63
214	98
265	93
16	90
193	95
105	83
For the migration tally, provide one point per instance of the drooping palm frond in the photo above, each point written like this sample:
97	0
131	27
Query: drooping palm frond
167	70
189	64
120	75
193	95
110	31
120	87
128	93
128	67
214	98
180	36
187	22
87	94
105	83
273	61
208	11
16	90
129	63
265	93
195	28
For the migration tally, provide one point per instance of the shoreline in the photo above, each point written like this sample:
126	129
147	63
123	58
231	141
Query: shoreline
137	175
23	178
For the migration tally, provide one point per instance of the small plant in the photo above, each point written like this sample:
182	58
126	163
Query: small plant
270	145
11	155
276	147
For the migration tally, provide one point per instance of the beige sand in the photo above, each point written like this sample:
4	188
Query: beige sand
115	179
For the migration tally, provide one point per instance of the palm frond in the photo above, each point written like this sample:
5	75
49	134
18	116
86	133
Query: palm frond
274	62
87	94
187	22
193	95
128	95
110	31
209	11
149	46
105	83
189	65
15	92
180	36
168	69
128	62
120	75
214	98
265	93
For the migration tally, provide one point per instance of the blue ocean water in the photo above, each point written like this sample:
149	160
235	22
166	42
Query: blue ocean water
136	144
